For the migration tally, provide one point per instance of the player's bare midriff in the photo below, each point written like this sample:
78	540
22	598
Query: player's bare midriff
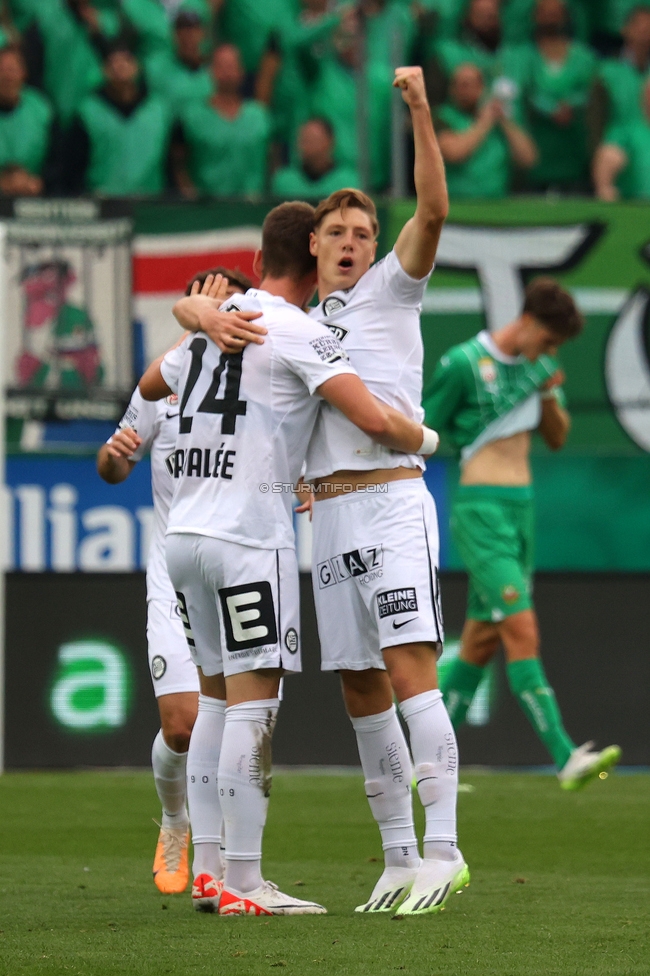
343	482
503	462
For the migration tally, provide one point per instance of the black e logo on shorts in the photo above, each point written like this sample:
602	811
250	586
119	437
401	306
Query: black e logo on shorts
248	615
391	602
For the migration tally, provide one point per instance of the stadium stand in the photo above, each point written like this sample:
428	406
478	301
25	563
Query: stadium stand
567	74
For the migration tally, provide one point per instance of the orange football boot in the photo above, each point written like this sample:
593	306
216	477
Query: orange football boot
170	869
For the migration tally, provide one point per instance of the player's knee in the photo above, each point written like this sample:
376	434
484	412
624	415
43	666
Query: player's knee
177	732
366	692
520	631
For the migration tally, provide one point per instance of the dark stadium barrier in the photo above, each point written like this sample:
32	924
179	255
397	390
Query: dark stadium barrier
78	691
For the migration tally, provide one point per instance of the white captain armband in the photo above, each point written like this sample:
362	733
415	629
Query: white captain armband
430	441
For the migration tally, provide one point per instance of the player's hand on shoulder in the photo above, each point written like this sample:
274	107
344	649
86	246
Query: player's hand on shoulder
124	443
230	331
411	80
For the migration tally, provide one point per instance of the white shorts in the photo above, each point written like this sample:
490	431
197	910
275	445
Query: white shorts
375	575
170	663
240	606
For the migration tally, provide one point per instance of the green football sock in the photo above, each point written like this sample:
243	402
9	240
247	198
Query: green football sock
458	688
528	682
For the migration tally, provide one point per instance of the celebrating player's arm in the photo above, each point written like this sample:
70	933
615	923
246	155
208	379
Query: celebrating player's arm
231	331
348	394
555	422
417	243
384	424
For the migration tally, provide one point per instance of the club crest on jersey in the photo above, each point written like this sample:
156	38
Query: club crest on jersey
291	640
158	667
487	369
332	304
510	594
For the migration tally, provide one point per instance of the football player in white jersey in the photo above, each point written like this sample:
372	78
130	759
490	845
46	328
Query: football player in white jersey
152	428
245	423
375	555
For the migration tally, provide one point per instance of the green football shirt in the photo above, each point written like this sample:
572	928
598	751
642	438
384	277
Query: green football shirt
228	157
563	150
484	174
623	84
168	77
479	395
128	153
25	132
71	64
634	140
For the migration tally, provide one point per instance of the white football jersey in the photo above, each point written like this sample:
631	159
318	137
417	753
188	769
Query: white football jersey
377	322
157	425
245	423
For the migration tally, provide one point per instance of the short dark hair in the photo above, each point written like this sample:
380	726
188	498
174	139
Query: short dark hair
237	278
341	200
285	241
553	307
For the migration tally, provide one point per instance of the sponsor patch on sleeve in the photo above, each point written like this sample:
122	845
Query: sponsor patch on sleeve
130	418
329	349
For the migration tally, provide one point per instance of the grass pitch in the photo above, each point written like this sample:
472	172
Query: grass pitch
559	884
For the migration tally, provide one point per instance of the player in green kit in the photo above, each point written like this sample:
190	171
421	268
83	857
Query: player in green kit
489	394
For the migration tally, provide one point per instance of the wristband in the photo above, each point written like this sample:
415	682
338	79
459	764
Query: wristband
550	394
430	441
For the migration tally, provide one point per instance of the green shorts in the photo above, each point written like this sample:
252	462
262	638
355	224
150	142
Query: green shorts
493	530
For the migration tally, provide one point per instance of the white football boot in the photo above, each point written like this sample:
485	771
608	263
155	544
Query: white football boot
435	882
583	765
393	886
266	900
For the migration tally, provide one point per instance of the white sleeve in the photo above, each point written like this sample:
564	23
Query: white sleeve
142	417
172	364
404	289
311	352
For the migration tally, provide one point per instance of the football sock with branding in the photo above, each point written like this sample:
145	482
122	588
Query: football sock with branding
435	754
458	687
244	787
169	777
202	789
529	684
387	771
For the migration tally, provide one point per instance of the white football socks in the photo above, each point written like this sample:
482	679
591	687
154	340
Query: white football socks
244	787
387	771
202	788
169	777
435	754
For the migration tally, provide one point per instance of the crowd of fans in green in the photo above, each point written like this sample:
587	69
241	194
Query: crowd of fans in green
241	98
